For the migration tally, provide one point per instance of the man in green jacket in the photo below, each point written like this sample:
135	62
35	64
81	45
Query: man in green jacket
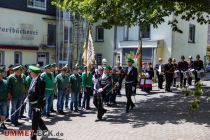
62	83
87	88
3	98
17	90
75	86
49	79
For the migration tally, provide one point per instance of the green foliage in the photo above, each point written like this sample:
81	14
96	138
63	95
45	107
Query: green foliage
196	94
141	12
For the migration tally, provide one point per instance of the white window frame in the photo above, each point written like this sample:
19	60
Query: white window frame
97	39
37	7
20	58
2	58
191	38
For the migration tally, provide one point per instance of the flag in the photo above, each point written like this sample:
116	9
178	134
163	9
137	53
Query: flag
89	53
138	57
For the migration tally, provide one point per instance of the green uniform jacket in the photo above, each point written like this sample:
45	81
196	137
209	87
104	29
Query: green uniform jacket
75	81
86	80
28	81
16	85
49	83
3	91
62	82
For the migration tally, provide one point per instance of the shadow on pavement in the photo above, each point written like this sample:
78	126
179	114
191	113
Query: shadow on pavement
161	110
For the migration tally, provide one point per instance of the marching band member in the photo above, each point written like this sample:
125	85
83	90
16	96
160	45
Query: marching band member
130	83
169	73
175	72
191	70
183	67
159	68
102	88
199	68
36	100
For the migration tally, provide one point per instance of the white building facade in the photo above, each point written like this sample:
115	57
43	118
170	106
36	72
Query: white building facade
27	36
118	42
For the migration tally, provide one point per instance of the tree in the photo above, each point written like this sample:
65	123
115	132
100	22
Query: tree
138	12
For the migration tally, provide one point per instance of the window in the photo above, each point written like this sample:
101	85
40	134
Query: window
68	34
191	38
37	4
18	58
98	58
146	33
99	34
126	32
1	58
51	38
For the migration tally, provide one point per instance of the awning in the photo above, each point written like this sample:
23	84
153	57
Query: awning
16	47
135	44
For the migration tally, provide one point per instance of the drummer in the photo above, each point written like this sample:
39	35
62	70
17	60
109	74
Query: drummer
198	65
175	72
183	67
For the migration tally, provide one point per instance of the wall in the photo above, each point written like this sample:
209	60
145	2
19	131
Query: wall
106	47
164	32
180	41
14	21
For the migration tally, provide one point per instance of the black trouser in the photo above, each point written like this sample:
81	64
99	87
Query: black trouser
98	102
37	122
128	92
196	77
174	82
169	80
189	80
181	80
160	81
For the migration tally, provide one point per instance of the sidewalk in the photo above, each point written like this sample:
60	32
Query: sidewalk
157	116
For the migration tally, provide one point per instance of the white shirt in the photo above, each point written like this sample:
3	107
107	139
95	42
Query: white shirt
32	84
129	69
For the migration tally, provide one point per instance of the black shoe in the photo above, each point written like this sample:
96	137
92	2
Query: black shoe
21	117
132	107
8	120
61	112
88	108
48	115
3	127
52	110
33	137
17	124
99	118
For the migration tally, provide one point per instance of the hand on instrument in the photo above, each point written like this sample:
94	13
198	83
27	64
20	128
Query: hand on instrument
100	90
133	88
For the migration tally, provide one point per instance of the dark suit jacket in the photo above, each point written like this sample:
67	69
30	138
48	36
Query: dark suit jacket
38	93
132	75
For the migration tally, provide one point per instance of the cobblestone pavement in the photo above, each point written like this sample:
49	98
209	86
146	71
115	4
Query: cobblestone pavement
157	116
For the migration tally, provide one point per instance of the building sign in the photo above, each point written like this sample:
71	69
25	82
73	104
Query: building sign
26	31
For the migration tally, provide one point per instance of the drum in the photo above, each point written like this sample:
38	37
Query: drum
176	73
191	73
185	74
200	73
